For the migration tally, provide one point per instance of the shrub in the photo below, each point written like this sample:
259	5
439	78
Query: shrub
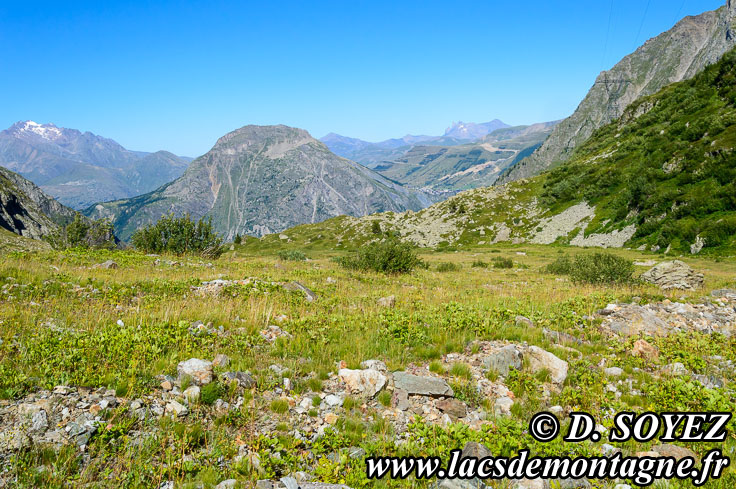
376	227
448	267
598	268
479	264
389	256
500	262
84	233
211	392
179	235
238	239
292	255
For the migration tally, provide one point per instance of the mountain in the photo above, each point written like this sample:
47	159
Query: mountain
466	166
676	55
26	210
82	168
375	154
263	179
662	177
471	130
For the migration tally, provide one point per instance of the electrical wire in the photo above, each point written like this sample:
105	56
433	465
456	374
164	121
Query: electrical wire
644	17
608	33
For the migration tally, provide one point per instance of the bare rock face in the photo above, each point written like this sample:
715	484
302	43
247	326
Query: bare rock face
674	275
264	179
678	54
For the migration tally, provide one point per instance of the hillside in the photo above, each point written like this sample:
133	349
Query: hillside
79	168
466	166
675	55
263	179
26	210
660	178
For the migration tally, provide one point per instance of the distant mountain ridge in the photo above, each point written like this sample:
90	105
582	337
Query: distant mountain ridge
675	55
471	130
263	179
80	168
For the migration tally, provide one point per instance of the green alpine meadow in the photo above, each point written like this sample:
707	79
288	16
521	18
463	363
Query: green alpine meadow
290	312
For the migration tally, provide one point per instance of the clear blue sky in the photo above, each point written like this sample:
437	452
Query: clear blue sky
177	75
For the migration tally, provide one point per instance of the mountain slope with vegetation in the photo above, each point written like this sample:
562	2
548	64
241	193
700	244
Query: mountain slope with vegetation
675	55
263	179
661	177
79	168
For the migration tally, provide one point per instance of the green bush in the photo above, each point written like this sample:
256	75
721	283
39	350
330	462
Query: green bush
448	267
84	233
389	256
598	268
500	262
292	255
211	392
479	264
179	235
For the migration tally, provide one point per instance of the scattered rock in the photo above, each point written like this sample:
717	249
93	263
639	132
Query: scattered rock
242	378
421	385
389	301
504	359
613	371
678	452
200	371
452	407
642	348
221	360
674	275
540	359
176	408
109	264
502	406
524	322
191	394
367	382
296	286
226	484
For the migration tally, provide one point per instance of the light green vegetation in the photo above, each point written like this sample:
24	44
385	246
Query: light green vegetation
58	326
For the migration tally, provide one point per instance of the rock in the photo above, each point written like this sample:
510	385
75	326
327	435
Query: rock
226	484
524	322
221	360
453	407
613	371
374	365
724	293
331	418
389	301
109	264
296	286
191	394
264	484
676	368
643	349
400	400
678	452
458	484
14	440
649	453
540	359
39	421
356	453
365	382
166	385
502	406
477	450
176	408
622	486
572	484
422	385
697	247
529	484
200	371
674	275
333	401
502	360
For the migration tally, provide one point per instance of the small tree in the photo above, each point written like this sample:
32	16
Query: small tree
84	233
179	235
376	227
238	239
389	256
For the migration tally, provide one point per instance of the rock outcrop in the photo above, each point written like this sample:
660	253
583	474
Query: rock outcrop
674	275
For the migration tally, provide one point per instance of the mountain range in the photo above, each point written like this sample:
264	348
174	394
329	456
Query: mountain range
662	177
264	179
675	55
81	168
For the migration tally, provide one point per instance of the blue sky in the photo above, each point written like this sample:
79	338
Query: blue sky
177	75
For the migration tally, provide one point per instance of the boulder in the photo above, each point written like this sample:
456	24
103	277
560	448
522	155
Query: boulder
678	452
674	275
503	405
524	322
109	264
366	382
614	371
389	301
200	371
422	385
242	378
540	359
296	286
502	360
477	450
643	349
452	407
221	360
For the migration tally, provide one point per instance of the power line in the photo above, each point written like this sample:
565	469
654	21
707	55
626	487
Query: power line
646	11
608	32
677	17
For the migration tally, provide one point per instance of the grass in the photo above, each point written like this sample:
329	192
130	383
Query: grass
64	314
